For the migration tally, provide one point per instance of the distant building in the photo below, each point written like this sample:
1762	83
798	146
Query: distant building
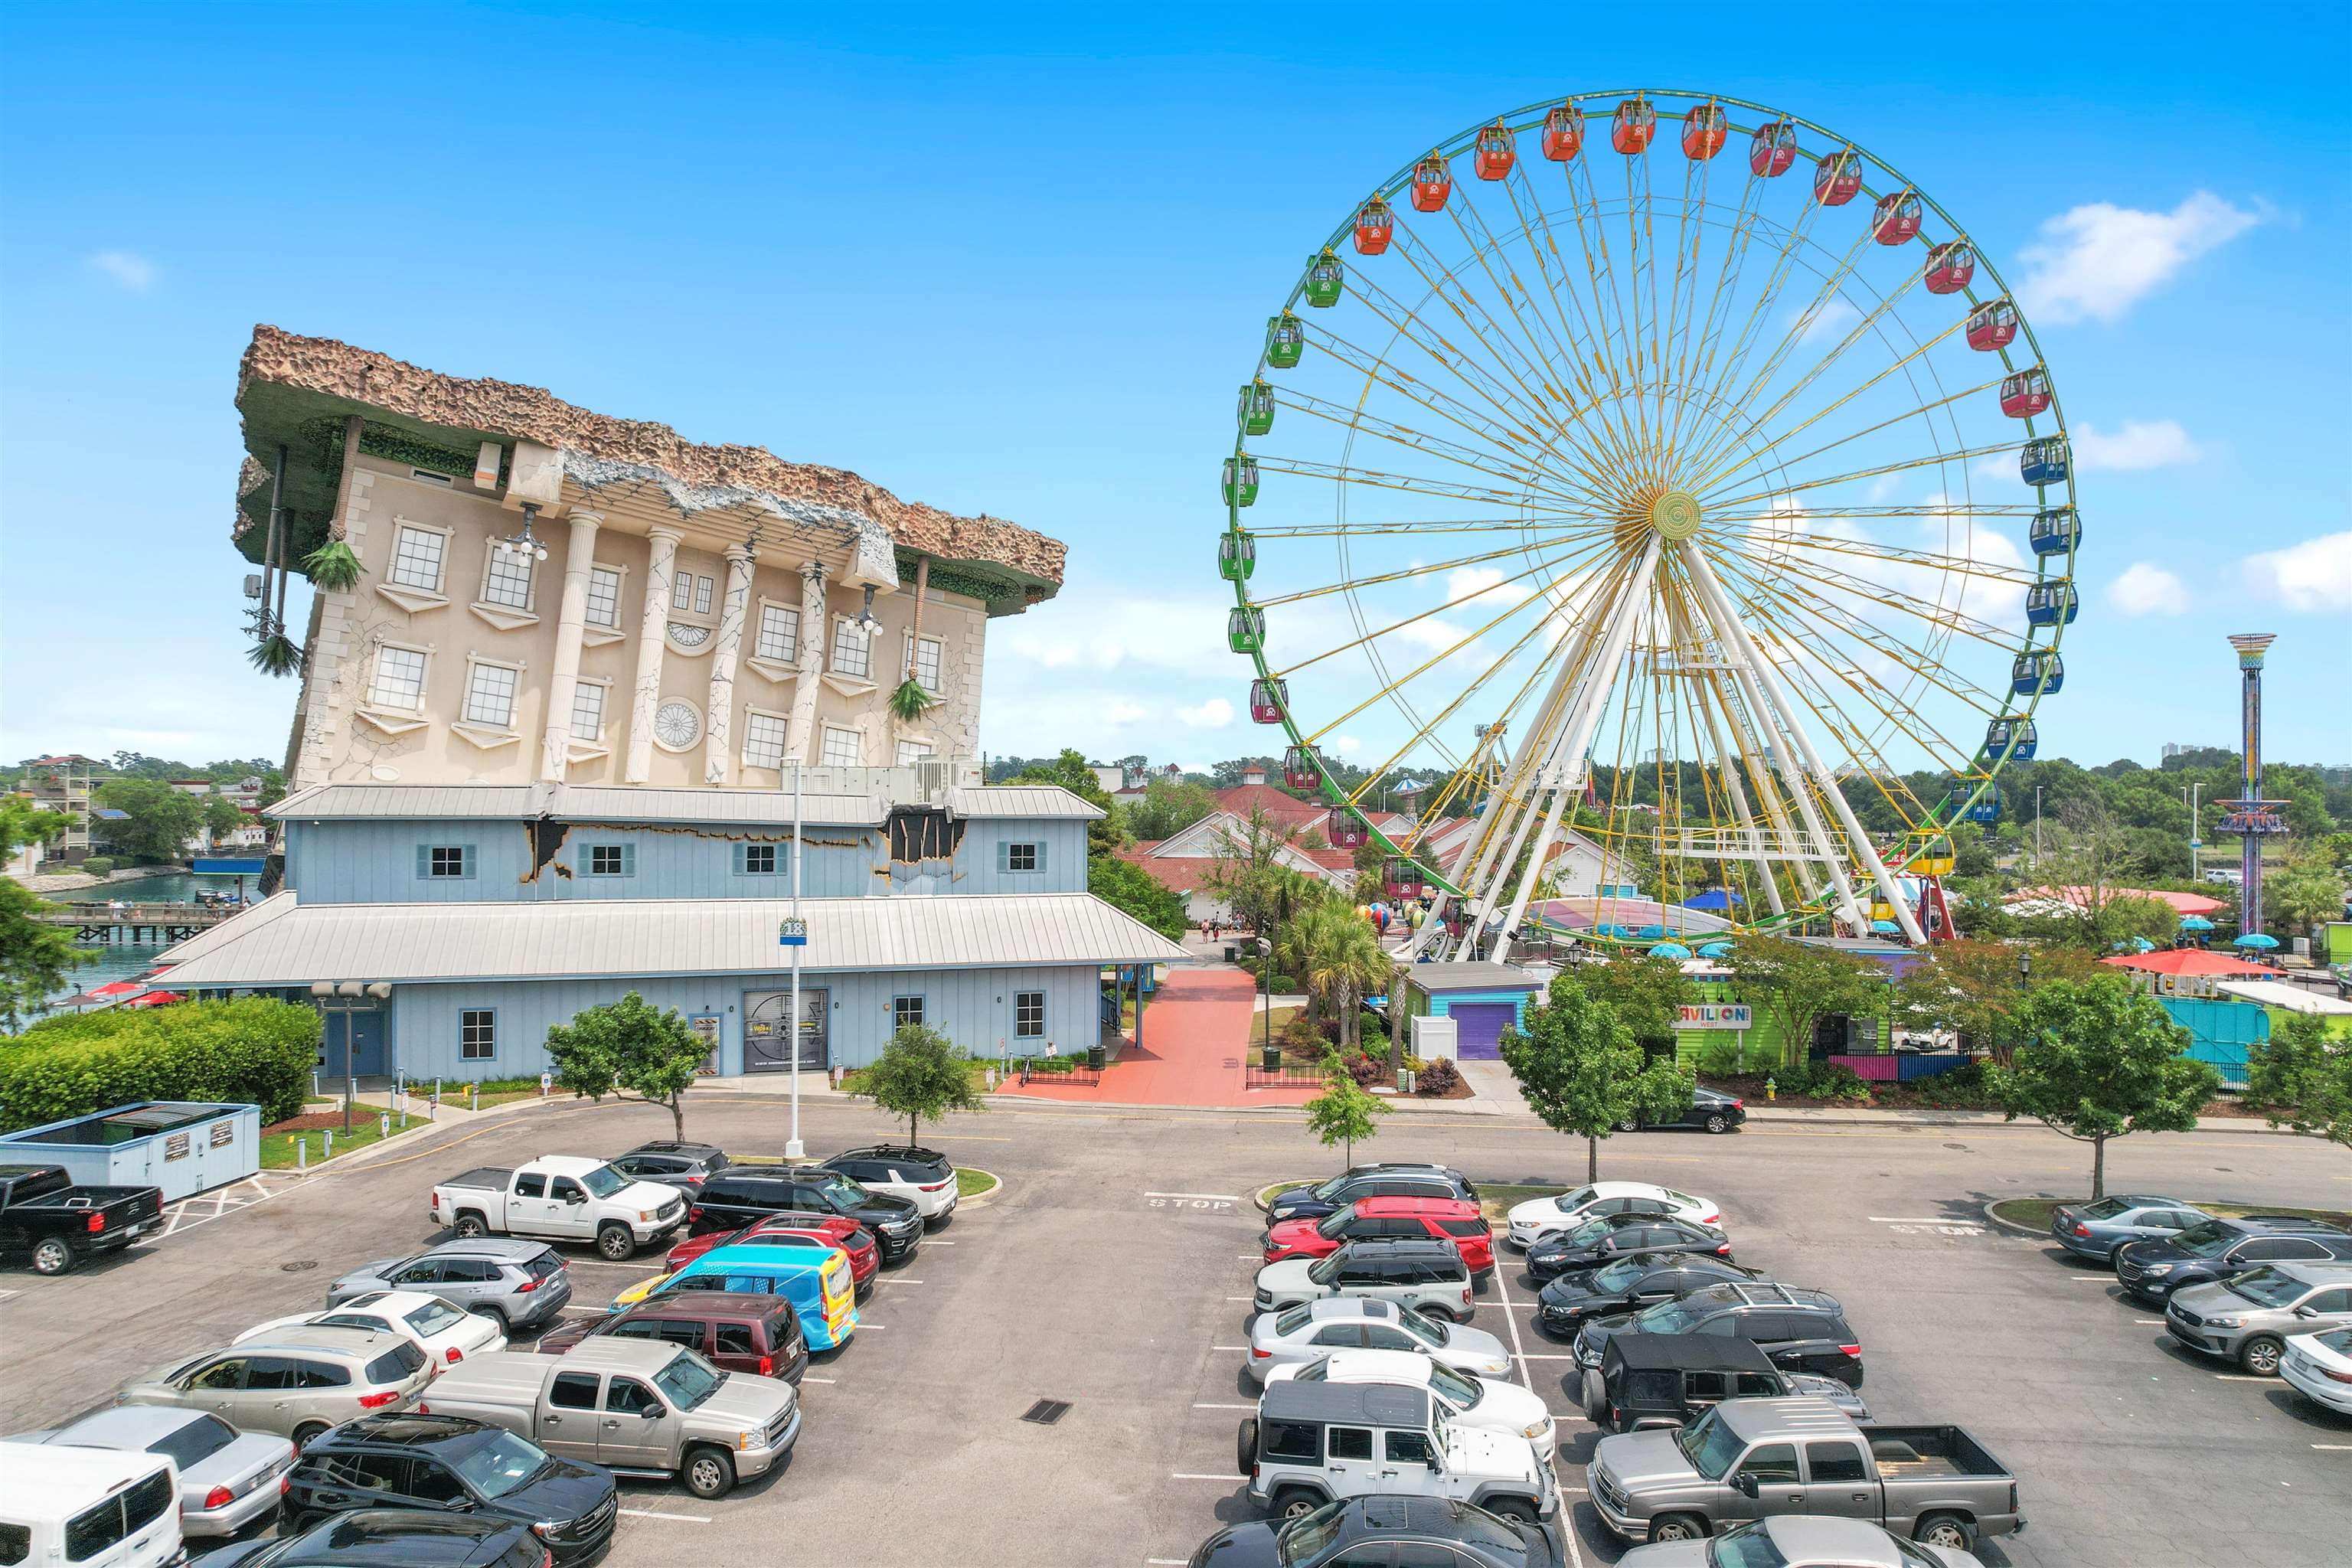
63	784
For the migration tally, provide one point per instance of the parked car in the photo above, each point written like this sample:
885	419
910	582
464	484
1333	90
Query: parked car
757	1335
1387	1180
1314	1329
450	1462
865	1256
1798	1330
444	1331
2320	1368
1450	1220
738	1197
295	1383
1427	1276
1365	1529
1491	1405
523	1284
394	1537
1748	1458
226	1481
2247	1318
87	1505
816	1284
561	1198
1801	1541
639	1408
1533	1220
2153	1270
684	1166
924	1177
1670	1380
1628	1285
1596	1244
2096	1229
43	1214
1711	1111
1315	1443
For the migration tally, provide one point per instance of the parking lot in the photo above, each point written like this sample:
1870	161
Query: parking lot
1112	1273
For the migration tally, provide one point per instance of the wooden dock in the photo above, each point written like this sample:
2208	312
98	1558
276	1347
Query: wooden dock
136	925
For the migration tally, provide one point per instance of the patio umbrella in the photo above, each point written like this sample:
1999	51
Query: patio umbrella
1715	950
155	999
1887	928
2196	922
2256	938
2141	945
1651	933
1670	950
1611	930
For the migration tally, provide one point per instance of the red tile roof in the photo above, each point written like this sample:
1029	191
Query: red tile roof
1177	874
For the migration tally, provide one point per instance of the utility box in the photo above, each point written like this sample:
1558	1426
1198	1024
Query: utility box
181	1146
1433	1038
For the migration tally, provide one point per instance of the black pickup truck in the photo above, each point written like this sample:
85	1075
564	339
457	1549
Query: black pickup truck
43	1213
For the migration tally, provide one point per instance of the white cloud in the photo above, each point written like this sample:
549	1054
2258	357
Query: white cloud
1833	319
2095	262
1122	711
1346	745
2148	590
2312	576
2140	443
128	267
1214	714
1476	587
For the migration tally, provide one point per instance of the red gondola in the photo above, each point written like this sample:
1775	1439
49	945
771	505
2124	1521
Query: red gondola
1950	266
1705	130
1375	227
1992	325
1432	181
1634	126
1773	149
1897	221
1401	879
2026	393
1301	768
1563	135
1497	151
1267	697
1344	830
1837	178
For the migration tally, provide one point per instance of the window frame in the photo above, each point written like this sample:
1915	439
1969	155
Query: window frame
898	1010
847	626
469	862
476	663
623	860
754	720
790	658
375	699
466	1039
1006	856
402	526
913	653
825	746
492	556
603	686
1020	1000
779	859
620	576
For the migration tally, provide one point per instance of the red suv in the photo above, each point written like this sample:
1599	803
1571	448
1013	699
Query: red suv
792	1230
1369	1219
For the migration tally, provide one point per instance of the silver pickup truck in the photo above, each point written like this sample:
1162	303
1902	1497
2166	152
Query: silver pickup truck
1750	1459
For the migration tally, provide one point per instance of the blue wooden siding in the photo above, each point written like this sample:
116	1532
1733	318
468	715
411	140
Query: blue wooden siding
980	859
1441	1005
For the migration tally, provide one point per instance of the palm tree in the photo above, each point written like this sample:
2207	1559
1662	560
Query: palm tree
1337	954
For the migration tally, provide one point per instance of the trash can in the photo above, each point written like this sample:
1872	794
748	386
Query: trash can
1095	1058
1232	953
1271	1059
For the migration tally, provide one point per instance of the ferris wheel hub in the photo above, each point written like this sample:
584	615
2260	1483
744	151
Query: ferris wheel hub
1676	515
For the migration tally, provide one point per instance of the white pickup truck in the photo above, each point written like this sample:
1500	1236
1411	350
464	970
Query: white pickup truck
561	1198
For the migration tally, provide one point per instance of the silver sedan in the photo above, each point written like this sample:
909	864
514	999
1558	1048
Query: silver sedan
1802	1540
226	1481
1308	1333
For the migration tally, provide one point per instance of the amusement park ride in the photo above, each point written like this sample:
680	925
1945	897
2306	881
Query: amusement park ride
1706	493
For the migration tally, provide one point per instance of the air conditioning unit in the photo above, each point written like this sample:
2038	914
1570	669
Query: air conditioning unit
933	776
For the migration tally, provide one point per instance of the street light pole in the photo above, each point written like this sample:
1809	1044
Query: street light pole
797	938
2037	828
2195	844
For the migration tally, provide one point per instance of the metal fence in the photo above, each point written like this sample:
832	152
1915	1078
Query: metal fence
1068	1070
1290	1075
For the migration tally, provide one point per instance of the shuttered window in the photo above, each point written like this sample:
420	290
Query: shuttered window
445	862
1021	857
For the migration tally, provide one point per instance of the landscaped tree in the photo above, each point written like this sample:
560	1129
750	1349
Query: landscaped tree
1582	1071
631	1050
1130	889
2303	1077
2305	890
221	816
1345	1112
1646	994
1335	953
1074	772
1974	988
1796	983
34	959
1248	875
162	819
921	1077
2099	1061
1169	806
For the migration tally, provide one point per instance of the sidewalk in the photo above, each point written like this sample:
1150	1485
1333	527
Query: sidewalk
1196	1035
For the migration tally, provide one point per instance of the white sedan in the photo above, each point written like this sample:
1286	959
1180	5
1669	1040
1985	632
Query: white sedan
1493	1404
1533	1220
1313	1329
446	1333
2321	1366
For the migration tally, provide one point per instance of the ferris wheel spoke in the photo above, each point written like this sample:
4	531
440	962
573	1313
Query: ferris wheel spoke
1762	424
1591	346
1767	553
1560	359
1776	278
1698	353
1537	480
1406	573
1527	520
1943	618
1903	417
1598	259
1379	479
1965	454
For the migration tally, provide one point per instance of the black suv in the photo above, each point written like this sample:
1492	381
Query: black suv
1711	1111
1380	1529
1798	1330
1397	1180
1598	1243
2153	1269
738	1196
393	1538
684	1166
1628	1285
410	1460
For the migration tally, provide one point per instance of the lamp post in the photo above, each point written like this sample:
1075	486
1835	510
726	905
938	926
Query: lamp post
2195	844
793	936
349	994
2024	970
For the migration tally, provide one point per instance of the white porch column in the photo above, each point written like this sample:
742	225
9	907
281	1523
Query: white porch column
814	639
578	556
653	640
717	759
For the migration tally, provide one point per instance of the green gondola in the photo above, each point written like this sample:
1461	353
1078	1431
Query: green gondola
1285	340
1237	557
1257	408
1245	494
1245	629
1326	279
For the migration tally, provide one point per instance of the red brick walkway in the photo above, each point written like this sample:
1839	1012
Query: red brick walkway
1195	1030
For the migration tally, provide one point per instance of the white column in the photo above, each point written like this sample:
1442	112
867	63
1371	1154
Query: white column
815	634
653	640
718	760
578	556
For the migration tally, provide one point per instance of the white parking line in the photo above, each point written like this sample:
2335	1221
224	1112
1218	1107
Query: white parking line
1212	1197
1198	1407
894	1280
1900	1219
680	1518
2334	1447
2149	1323
1542	1355
806	1379
1241	1297
1229	1347
2239	1377
1188	1476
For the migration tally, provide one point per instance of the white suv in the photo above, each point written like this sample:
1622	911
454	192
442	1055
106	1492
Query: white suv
1315	1443
924	1177
1490	1405
1533	1220
1428	1276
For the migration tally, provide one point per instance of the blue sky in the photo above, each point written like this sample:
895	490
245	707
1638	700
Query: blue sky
1018	266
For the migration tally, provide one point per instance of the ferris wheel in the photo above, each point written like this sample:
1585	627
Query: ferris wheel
1670	475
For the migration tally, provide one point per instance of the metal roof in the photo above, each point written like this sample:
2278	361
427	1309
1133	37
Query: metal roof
574	803
1021	800
1439	976
2279	993
282	941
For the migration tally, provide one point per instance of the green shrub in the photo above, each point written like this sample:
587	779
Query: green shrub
1718	1058
254	1050
98	865
1439	1076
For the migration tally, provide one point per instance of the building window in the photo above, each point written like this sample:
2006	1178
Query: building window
1021	857
1028	1015
416	558
763	739
399	680
507	581
612	859
588	711
853	651
702	588
445	862
843	748
605	597
756	860
491	694
913	752
478	1034
780	634
925	664
904	1011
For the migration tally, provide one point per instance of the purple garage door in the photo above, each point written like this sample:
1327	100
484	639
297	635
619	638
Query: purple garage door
1479	1029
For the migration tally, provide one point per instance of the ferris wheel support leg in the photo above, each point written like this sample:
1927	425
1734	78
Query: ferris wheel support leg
1764	694
1739	807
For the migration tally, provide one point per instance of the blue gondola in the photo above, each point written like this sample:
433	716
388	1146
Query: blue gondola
2052	604
2056	531
2042	671
1986	807
2011	736
2040	462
